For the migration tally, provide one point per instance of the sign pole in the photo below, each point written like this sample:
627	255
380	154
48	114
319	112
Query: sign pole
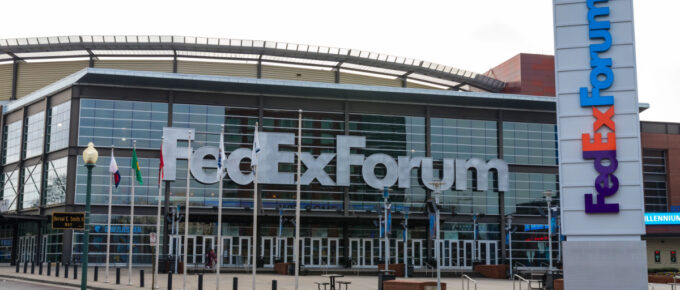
220	170
255	195
132	217
108	223
186	215
296	247
158	218
86	234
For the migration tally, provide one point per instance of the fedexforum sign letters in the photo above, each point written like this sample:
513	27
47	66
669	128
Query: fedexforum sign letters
270	157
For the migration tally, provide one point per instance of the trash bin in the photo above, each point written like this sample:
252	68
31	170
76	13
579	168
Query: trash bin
410	269
382	277
291	268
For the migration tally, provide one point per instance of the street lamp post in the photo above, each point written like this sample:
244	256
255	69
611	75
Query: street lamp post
508	227
90	156
437	248
548	199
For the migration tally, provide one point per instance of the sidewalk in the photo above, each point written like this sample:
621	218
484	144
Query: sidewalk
263	282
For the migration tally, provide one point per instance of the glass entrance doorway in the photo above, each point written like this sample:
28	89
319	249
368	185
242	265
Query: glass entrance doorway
361	252
198	248
26	248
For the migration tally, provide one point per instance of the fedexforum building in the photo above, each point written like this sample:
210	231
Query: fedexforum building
369	120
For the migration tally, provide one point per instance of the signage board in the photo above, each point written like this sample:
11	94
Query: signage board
662	218
68	220
600	166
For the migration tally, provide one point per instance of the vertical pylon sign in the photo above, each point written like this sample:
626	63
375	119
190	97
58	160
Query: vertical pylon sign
601	194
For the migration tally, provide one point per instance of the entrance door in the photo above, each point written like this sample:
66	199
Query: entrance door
333	252
26	248
208	244
315	252
416	253
368	252
488	252
467	253
267	250
225	256
281	246
355	252
246	250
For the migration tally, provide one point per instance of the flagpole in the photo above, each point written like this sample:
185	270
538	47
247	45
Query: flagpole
254	261
132	217
186	215
108	222
158	217
297	205
219	209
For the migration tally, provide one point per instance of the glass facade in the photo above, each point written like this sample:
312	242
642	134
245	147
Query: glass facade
655	180
394	136
530	143
145	194
35	127
11	141
58	128
10	191
32	179
120	237
526	195
55	184
117	123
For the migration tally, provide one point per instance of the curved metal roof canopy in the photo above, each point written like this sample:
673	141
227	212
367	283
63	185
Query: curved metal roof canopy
224	48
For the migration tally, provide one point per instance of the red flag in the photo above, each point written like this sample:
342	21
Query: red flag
160	170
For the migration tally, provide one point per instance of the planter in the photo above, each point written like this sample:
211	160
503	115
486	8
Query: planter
493	271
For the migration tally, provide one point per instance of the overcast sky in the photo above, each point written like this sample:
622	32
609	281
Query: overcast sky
470	34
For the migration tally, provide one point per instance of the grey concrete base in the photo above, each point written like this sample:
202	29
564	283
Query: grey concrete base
598	265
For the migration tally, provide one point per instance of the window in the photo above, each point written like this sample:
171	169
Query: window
530	143
10	191
58	129
117	123
654	178
34	135
32	180
55	190
11	142
657	256
674	257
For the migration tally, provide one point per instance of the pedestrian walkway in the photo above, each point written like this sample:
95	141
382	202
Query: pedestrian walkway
263	281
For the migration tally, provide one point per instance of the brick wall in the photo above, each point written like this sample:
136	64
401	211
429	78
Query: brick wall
528	74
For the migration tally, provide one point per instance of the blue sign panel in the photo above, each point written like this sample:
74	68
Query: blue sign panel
662	218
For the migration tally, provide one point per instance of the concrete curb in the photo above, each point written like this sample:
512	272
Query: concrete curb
52	282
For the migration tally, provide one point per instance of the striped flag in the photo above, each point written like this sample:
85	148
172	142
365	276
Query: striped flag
256	149
221	157
135	167
113	169
161	165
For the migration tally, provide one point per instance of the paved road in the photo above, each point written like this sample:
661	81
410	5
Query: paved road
23	285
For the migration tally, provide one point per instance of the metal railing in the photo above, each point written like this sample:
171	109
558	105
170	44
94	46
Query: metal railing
468	279
520	279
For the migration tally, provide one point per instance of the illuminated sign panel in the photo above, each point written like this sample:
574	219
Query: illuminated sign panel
662	218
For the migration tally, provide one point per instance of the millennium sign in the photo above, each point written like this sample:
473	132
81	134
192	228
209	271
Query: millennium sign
397	172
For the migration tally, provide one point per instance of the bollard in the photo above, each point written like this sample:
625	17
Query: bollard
66	271
56	270
75	271
96	273
235	287
18	264
170	280
274	285
25	267
117	275
200	281
32	268
40	268
141	278
49	268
